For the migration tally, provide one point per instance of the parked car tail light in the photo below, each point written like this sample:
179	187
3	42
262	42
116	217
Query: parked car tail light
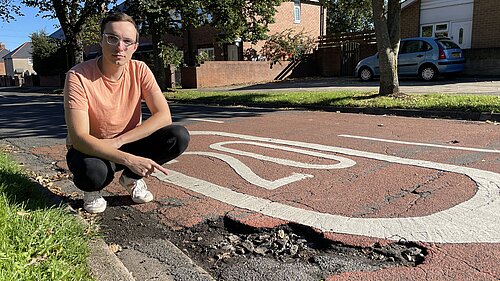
442	55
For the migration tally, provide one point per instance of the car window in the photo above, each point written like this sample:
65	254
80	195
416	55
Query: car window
414	46
446	44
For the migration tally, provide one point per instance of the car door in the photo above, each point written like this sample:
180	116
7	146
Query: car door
411	54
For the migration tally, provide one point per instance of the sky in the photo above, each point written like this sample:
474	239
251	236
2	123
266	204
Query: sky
18	31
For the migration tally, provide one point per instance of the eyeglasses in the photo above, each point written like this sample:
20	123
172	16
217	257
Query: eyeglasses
114	40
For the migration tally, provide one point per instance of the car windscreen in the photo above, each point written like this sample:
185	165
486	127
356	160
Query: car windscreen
448	44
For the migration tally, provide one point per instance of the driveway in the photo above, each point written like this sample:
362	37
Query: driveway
461	85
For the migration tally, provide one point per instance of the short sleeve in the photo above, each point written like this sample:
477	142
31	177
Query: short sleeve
74	92
148	81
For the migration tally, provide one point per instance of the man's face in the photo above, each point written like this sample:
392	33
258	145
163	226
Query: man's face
118	42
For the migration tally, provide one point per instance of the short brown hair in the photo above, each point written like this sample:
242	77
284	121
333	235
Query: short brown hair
118	17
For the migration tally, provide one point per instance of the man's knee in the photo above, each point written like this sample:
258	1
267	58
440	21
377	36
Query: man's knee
183	138
93	175
178	136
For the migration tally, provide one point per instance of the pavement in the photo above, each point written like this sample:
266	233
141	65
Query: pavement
460	85
267	194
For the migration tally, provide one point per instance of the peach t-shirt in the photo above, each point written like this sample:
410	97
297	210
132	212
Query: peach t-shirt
113	107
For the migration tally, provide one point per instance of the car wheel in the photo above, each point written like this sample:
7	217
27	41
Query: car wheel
365	74
428	72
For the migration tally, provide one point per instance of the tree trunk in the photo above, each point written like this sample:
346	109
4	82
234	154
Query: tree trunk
158	67
190	60
387	30
75	53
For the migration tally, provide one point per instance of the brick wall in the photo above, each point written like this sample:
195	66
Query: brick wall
410	20
6	81
224	73
284	19
486	23
482	62
52	81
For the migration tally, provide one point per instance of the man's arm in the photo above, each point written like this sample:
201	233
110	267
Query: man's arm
77	122
160	118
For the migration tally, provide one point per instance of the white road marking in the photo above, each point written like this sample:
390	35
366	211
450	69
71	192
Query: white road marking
207	120
343	162
247	174
473	221
424	144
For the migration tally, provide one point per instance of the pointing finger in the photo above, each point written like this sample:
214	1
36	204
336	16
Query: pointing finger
161	169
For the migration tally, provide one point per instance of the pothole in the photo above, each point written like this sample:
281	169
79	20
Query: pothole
220	245
229	250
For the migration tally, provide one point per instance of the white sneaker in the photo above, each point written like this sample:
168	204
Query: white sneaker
137	189
93	202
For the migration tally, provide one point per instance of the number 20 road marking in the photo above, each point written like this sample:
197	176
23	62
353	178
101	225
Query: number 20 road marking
473	221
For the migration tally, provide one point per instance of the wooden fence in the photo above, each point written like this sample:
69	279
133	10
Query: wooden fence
339	39
338	54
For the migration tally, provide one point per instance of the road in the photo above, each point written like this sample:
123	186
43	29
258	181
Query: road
263	194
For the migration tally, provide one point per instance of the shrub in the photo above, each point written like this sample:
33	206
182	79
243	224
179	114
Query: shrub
170	54
49	55
287	45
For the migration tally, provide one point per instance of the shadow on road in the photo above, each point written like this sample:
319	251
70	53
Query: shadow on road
349	82
32	115
39	115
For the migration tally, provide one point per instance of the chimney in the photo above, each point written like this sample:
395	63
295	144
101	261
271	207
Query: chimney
2	46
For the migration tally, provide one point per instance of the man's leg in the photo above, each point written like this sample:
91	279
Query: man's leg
90	174
162	146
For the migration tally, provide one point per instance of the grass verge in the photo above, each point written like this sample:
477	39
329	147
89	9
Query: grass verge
37	242
446	102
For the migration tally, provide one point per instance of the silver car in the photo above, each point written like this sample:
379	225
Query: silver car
424	57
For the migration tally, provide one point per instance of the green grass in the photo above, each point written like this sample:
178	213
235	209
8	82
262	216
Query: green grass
451	102
37	242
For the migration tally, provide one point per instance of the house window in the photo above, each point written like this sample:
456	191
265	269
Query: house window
427	31
441	30
434	30
30	61
205	54
296	11
461	36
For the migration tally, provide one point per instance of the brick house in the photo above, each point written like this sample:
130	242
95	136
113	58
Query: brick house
19	61
231	63
299	15
472	24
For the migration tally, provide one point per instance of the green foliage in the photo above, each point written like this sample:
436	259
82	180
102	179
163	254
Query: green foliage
91	32
49	55
202	57
441	102
234	19
287	45
37	242
349	16
73	17
8	10
243	19
170	54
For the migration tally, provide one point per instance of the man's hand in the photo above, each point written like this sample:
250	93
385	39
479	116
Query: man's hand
144	166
